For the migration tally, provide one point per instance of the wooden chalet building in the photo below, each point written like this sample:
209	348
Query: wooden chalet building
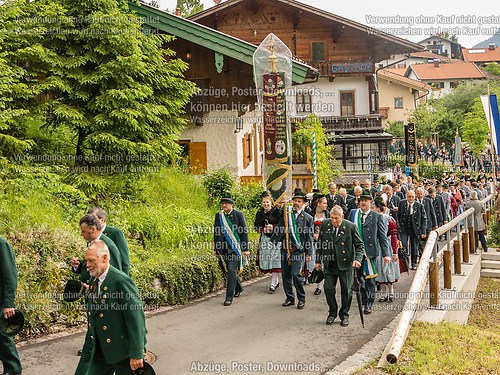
335	78
345	52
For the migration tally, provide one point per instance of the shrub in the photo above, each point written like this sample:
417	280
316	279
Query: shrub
217	183
493	233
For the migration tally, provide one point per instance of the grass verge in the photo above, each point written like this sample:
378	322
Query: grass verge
450	348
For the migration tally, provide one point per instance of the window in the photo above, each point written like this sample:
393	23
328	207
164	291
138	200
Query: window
304	100
454	84
361	156
437	85
318	51
347	103
398	102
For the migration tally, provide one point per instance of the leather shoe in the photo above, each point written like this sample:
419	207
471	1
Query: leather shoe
237	294
301	305
79	354
368	310
317	292
288	303
272	289
330	320
344	322
391	297
227	302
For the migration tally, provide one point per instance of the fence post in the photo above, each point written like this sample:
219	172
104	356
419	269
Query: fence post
456	257
465	247
447	269
433	283
472	240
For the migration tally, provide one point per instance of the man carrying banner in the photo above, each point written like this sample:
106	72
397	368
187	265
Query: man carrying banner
230	241
295	230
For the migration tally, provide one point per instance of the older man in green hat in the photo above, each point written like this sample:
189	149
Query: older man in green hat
8	285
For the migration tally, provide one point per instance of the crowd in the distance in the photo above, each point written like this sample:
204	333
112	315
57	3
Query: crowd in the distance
443	154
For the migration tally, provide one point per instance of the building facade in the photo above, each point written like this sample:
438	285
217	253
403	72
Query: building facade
345	95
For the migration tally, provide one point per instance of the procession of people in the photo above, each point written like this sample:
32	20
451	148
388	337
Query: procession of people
356	238
352	236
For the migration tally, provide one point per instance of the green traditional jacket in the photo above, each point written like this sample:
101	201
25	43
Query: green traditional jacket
344	248
117	236
8	275
116	318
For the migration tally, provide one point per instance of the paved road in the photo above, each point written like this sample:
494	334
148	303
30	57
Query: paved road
254	335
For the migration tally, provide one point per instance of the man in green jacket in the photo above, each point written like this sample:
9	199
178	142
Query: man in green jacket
116	322
340	248
8	286
90	228
116	235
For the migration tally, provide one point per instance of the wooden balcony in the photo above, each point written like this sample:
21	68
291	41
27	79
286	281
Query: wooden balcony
349	123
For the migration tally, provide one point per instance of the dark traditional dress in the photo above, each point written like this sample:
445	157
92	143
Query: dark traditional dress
268	254
389	273
317	223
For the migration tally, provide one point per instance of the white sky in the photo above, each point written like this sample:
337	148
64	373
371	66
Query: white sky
415	16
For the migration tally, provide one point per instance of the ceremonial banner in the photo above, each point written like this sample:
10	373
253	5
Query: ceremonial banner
490	106
411	144
314	161
273	75
457	156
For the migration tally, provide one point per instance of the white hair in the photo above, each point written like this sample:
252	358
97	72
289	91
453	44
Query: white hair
337	210
100	248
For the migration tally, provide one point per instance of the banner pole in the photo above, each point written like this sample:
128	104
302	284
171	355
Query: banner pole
493	151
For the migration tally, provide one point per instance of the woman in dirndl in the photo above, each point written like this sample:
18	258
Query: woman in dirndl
268	254
388	274
319	213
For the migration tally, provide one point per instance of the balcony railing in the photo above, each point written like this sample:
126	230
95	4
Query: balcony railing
349	123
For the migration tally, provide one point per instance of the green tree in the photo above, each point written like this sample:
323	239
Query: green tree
189	7
425	118
447	122
396	128
303	136
445	115
15	94
493	68
475	128
93	71
462	97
